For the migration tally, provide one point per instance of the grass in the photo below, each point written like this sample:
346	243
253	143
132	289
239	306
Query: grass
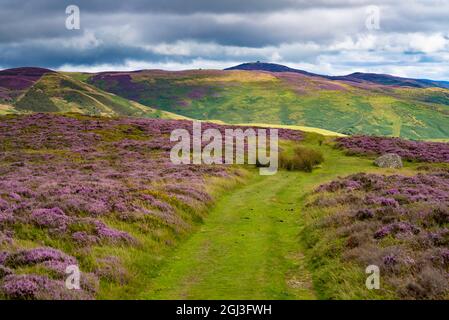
241	251
5	109
157	243
320	131
249	245
65	92
303	159
254	97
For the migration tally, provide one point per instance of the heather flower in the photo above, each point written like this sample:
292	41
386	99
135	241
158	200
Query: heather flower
53	218
440	237
38	255
31	287
113	235
158	204
383	201
15	196
20	287
409	150
5	238
441	215
83	238
6	218
363	214
3	204
390	260
192	192
3	256
440	257
5	271
89	283
395	228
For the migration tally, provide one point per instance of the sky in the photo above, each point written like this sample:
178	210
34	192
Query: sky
405	38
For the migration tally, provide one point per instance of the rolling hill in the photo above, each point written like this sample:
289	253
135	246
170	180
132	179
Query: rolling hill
272	94
359	77
24	90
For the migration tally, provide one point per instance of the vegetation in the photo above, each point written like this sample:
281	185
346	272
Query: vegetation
101	193
398	223
57	92
36	100
303	159
287	99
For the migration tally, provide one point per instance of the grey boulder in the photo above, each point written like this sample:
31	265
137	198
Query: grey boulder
389	160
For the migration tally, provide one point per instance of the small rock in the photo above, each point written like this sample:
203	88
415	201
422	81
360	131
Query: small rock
389	160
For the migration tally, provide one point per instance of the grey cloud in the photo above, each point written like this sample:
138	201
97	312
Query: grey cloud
32	32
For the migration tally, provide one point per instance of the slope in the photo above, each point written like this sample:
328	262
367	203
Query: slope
288	98
41	90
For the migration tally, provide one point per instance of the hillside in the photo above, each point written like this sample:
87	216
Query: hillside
99	193
102	194
349	105
271	94
360	77
41	90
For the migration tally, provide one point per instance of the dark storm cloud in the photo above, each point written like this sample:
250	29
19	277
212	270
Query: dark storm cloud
181	6
40	55
161	32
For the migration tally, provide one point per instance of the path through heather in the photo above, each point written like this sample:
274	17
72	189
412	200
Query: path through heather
248	248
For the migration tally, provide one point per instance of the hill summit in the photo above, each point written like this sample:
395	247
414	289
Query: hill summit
271	67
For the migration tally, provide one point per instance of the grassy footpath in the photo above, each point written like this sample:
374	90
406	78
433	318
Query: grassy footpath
248	246
246	249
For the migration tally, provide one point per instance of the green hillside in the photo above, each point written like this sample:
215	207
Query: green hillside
288	99
57	92
343	105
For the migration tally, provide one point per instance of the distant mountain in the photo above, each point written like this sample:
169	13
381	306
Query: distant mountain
271	67
386	79
359	77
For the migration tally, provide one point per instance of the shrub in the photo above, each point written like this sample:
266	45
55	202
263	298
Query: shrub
361	218
407	149
303	159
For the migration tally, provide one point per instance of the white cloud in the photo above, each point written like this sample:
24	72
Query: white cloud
323	36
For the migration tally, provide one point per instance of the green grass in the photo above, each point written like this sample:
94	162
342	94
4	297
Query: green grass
35	100
247	97
302	159
323	132
253	97
252	244
249	245
242	251
65	92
